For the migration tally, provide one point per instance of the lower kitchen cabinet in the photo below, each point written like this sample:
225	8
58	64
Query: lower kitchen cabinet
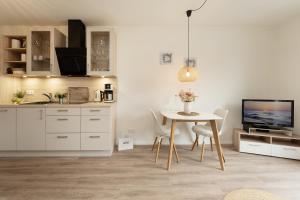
63	142
96	141
8	135
31	129
43	130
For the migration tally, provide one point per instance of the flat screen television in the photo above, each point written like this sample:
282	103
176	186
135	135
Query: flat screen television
269	114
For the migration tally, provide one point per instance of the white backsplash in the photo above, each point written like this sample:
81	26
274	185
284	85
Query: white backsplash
8	86
54	85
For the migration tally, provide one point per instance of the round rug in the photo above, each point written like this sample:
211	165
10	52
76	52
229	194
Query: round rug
250	194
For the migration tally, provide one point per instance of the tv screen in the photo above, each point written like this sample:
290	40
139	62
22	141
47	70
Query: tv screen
268	113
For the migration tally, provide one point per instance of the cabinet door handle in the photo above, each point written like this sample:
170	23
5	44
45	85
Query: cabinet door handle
41	114
62	137
94	136
62	119
62	110
95	110
94	119
4	110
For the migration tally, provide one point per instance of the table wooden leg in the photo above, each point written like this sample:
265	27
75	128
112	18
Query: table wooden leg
217	142
173	126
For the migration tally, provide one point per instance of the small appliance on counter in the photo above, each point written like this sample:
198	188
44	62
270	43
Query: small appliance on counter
108	95
98	96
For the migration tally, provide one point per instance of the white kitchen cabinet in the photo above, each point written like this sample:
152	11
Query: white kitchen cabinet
31	129
100	51
93	124
63	124
96	141
63	142
41	55
8	132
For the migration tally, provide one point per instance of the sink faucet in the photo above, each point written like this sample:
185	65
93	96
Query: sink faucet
49	96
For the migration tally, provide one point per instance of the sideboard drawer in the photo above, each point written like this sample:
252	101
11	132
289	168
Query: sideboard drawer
95	111
95	124
63	111
286	151
69	141
255	147
63	124
96	141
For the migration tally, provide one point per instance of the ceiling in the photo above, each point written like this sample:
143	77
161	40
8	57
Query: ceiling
147	12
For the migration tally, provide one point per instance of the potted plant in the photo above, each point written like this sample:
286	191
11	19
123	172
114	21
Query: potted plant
187	97
18	97
60	97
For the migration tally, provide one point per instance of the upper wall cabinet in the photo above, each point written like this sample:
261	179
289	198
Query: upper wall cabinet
42	42
100	51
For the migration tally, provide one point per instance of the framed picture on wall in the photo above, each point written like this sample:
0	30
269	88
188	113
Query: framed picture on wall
166	58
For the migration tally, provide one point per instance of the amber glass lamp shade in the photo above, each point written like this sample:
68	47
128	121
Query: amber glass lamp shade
187	74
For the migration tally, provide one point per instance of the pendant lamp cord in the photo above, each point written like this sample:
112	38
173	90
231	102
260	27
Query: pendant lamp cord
189	13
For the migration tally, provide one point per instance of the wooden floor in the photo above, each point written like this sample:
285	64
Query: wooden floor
133	175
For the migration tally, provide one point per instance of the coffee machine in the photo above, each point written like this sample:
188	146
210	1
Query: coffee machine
108	94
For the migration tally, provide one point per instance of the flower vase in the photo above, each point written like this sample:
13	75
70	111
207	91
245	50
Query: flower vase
187	107
61	100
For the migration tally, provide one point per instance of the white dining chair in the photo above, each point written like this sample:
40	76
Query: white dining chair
162	132
206	131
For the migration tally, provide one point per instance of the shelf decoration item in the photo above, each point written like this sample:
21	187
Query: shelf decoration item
187	97
18	97
187	72
60	97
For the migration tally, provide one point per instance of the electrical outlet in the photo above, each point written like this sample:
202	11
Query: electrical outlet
29	92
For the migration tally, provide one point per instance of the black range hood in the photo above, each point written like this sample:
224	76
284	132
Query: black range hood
72	60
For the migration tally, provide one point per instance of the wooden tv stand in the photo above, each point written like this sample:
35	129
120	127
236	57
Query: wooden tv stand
269	144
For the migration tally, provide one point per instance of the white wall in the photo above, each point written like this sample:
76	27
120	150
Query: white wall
285	77
233	64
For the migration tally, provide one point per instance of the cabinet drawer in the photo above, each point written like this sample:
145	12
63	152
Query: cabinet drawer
63	141
286	151
96	141
95	111
63	111
95	124
63	124
255	147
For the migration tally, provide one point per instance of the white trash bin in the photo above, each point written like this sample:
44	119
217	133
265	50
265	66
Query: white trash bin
125	143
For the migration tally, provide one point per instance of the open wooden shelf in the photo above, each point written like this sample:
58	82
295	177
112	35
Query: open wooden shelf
12	56
21	50
16	36
15	62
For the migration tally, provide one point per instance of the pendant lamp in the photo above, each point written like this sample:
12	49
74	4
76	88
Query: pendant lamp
188	73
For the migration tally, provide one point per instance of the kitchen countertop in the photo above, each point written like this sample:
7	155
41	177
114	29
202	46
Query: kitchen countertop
56	105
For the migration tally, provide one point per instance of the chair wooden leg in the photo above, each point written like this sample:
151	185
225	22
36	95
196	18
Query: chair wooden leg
157	151
154	143
223	158
202	150
176	153
196	142
211	144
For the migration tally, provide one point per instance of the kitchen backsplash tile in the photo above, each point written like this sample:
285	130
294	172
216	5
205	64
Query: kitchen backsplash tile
53	85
